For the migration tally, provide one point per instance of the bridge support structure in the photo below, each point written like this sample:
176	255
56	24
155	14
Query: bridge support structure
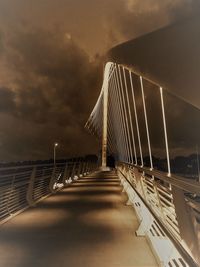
132	119
105	92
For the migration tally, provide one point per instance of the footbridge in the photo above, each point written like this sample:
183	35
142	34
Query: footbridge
150	133
143	212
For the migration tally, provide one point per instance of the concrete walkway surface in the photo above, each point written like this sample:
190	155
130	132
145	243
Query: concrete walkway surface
85	225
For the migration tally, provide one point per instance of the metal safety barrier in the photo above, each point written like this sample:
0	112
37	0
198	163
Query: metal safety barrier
160	203
154	137
24	186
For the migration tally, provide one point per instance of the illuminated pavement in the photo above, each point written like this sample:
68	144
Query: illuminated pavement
86	225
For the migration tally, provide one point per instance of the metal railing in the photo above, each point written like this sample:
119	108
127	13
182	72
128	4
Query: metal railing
23	186
160	195
154	138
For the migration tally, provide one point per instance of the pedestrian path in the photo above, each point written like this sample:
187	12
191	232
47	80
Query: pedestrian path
85	225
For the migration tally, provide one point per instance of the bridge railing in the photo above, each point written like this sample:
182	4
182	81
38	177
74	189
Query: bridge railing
149	129
24	186
168	200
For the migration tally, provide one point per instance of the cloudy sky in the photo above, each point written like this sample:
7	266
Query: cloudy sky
51	66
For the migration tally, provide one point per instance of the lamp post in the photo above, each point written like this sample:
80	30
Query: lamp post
54	153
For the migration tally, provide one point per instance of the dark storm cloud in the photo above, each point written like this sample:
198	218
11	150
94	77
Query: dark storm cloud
52	91
1	44
7	103
95	24
138	17
49	76
52	76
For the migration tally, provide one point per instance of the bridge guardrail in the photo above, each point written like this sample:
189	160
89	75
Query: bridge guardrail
157	192
24	186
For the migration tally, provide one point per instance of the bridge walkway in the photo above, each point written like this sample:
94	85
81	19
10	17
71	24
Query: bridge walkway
87	224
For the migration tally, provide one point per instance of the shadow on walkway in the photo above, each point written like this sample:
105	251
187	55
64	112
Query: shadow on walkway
87	225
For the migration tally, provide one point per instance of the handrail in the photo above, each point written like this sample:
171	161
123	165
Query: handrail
24	186
187	185
2	168
187	257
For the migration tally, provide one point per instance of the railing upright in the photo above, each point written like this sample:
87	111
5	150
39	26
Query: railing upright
30	189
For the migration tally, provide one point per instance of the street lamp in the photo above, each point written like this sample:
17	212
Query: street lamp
54	153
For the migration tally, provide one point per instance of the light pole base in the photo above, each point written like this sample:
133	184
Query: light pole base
105	169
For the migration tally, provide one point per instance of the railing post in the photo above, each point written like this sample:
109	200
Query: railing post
83	168
73	171
65	174
51	183
30	190
87	167
10	194
79	168
139	183
185	222
159	203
